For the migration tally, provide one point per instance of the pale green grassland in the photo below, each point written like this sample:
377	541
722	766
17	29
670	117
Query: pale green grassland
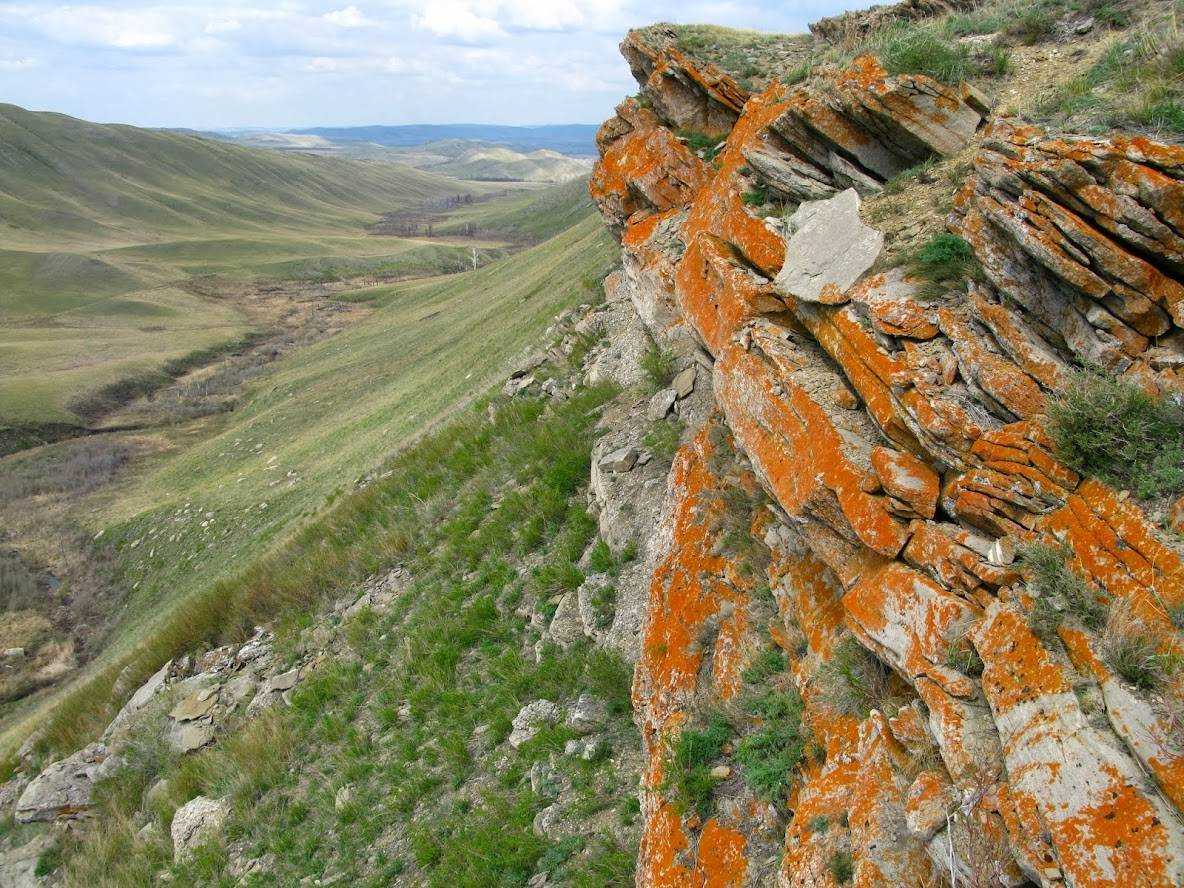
102	226
199	520
426	807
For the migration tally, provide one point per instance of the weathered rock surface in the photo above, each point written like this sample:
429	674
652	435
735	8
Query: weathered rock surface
197	823
902	446
64	789
829	250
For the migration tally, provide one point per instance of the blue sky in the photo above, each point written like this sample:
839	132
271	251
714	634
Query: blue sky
283	63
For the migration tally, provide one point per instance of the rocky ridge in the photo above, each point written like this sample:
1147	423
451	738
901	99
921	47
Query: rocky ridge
900	442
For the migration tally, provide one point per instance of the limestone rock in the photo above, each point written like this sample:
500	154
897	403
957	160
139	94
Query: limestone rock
531	719
661	404
831	248
63	790
684	382
621	460
566	627
18	866
587	715
197	823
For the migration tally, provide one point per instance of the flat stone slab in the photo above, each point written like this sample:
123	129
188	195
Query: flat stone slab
829	250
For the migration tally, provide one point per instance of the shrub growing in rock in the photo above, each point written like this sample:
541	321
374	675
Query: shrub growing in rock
942	262
658	365
690	766
770	756
1058	591
1131	645
853	681
1112	429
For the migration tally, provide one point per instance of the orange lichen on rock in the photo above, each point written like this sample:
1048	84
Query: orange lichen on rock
644	169
903	444
795	445
695	592
1065	777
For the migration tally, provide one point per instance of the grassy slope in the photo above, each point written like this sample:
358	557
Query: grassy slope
533	215
82	182
425	807
322	419
99	223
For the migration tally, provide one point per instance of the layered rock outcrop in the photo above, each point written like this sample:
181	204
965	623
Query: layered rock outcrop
901	441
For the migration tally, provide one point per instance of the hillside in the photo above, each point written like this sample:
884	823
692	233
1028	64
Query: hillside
64	180
571	139
459	158
496	163
149	244
834	536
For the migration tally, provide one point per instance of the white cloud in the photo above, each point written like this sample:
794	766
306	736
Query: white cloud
459	19
349	17
137	29
17	64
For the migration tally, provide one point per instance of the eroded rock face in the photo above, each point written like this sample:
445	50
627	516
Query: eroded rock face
64	789
196	823
902	446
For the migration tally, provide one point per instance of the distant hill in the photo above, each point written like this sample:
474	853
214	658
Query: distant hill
497	163
70	179
576	139
457	158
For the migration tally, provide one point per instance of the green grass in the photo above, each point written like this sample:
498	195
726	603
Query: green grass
918	49
1058	591
324	417
1136	84
1110	428
451	650
692	757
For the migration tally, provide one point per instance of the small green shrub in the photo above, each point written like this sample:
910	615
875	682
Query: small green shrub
819	824
945	260
916	49
701	143
658	364
765	665
1058	590
690	766
842	867
1112	429
770	756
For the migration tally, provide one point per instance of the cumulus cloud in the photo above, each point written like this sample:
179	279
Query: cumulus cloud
459	19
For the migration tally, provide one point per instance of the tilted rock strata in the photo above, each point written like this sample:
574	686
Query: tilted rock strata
903	444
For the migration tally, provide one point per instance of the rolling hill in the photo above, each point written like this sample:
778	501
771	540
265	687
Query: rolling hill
576	139
71	181
103	230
